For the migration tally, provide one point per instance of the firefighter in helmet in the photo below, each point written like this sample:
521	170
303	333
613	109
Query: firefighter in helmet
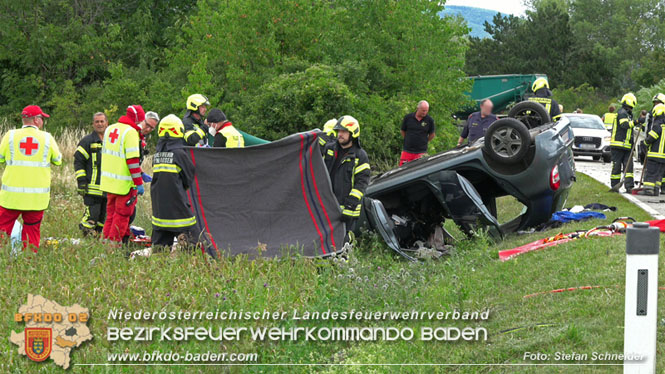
196	130
621	143
543	95
348	166
655	163
173	174
328	135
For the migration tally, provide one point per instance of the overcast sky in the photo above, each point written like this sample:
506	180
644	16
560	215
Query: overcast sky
515	7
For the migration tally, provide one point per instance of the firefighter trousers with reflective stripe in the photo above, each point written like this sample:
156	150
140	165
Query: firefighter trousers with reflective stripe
654	173
32	221
94	214
118	215
621	163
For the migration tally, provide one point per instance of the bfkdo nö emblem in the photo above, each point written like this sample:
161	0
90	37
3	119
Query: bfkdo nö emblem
38	343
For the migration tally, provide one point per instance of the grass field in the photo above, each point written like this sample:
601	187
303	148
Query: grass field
373	279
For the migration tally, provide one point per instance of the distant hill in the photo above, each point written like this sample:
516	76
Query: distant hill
475	17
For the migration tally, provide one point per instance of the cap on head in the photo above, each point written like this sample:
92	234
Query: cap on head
171	126
33	110
216	116
195	101
539	83
629	100
349	124
135	113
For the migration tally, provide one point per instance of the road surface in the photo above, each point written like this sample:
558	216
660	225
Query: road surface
600	171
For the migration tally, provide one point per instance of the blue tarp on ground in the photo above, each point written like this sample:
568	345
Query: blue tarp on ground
564	216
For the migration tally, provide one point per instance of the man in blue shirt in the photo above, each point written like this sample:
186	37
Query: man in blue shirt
478	123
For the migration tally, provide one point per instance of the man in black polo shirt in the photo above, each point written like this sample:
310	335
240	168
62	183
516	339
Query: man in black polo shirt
417	130
478	122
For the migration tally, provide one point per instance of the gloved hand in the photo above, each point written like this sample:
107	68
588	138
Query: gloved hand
212	131
82	189
146	178
140	189
351	203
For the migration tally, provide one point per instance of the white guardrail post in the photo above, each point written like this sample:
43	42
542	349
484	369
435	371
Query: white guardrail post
642	247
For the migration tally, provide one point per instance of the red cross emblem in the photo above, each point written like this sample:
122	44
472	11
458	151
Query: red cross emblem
114	136
28	145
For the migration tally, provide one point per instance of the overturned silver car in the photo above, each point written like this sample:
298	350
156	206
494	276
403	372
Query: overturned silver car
526	156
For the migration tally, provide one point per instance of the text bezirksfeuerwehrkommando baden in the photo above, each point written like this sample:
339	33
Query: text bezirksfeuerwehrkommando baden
295	314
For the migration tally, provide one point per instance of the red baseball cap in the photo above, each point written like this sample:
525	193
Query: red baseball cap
33	110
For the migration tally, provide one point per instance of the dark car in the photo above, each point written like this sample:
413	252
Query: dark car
528	157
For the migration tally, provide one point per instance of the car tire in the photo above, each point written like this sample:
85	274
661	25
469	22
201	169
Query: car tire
507	141
596	158
530	113
607	158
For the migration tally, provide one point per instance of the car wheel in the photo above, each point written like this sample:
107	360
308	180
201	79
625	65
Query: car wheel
530	113
607	158
596	158
507	140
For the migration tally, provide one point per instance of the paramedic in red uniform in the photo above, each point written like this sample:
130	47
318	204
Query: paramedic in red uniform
28	153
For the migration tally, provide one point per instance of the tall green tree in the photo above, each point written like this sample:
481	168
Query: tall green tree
370	59
389	54
56	49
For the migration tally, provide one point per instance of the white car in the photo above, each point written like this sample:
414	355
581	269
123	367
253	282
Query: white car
591	137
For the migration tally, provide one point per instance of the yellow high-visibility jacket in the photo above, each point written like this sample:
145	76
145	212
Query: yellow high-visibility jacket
121	143
28	153
609	119
229	137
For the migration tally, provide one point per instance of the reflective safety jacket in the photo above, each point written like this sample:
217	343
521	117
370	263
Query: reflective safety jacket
229	137
543	97
121	145
609	119
656	139
326	138
88	162
173	174
622	133
349	175
196	131
26	182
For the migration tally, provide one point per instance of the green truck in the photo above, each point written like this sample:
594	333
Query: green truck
503	90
